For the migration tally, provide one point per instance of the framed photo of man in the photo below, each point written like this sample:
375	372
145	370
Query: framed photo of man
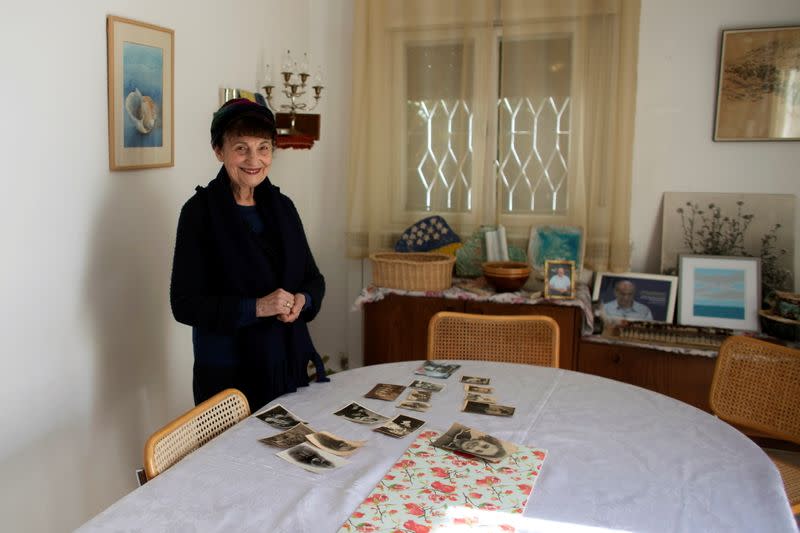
634	296
559	279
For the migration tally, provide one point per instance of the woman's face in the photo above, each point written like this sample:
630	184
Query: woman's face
480	447
247	159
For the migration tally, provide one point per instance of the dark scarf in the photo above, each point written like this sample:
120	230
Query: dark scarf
282	351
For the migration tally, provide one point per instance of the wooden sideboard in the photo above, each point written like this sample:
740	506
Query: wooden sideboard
396	328
683	377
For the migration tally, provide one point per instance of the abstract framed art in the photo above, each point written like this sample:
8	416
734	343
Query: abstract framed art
140	95
758	94
719	291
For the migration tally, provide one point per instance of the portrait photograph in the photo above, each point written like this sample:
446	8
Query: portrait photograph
419	395
334	444
464	439
432	369
559	279
493	409
634	296
385	392
414	406
474	380
289	438
400	426
356	412
426	386
312	459
279	417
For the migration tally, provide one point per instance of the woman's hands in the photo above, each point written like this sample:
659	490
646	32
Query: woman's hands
281	304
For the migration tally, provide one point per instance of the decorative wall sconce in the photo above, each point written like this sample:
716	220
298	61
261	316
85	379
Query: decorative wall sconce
295	129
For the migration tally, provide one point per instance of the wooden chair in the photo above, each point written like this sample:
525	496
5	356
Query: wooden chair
188	432
528	339
756	387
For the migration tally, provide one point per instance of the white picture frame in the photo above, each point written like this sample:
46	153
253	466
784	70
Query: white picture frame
657	293
719	291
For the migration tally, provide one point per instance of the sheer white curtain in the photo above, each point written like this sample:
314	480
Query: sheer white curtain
494	111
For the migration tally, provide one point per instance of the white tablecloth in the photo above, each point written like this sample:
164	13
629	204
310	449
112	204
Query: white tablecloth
620	458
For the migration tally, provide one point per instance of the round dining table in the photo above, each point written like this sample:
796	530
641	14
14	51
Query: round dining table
619	459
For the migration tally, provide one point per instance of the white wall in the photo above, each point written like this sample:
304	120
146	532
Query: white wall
92	360
673	151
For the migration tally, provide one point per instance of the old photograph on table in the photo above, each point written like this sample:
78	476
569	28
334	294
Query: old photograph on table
635	296
414	406
475	380
419	395
478	389
434	369
476	397
355	412
312	459
288	438
400	426
279	417
334	444
468	440
426	386
485	408
385	391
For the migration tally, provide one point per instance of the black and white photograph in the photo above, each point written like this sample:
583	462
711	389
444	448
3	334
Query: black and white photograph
432	369
279	417
385	392
478	389
312	459
400	426
359	414
474	380
419	395
633	296
426	386
289	438
476	397
559	279
414	406
468	440
334	444
483	408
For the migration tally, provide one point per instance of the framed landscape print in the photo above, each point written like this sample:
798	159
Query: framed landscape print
720	291
140	95
635	296
758	95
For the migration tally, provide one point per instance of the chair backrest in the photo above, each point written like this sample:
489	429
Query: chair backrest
756	385
188	432
528	339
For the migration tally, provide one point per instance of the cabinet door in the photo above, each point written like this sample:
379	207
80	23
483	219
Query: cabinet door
396	328
683	377
568	319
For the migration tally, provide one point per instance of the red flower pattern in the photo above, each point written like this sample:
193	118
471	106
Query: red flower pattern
416	528
442	487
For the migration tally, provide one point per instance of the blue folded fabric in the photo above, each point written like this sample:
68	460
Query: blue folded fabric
425	235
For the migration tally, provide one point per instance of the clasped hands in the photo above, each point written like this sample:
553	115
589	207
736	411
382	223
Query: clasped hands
281	304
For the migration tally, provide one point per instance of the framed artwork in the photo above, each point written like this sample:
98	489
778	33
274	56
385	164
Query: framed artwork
559	279
140	95
555	242
634	296
720	291
758	94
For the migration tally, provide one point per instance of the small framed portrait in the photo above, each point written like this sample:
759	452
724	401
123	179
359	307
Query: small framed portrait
634	296
720	291
559	281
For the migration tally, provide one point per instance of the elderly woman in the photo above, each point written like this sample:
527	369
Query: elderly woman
243	275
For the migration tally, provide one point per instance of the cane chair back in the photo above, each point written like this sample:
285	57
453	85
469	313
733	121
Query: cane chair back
756	387
527	339
192	430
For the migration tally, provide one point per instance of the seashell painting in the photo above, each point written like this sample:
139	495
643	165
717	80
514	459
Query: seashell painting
142	110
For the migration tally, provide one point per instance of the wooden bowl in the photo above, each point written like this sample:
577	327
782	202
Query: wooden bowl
506	276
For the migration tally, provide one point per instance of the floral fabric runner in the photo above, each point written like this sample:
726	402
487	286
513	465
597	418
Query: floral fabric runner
429	488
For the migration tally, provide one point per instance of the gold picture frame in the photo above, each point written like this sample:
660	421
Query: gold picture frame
140	95
758	90
553	285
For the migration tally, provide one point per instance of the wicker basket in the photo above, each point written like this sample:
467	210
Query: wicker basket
412	271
